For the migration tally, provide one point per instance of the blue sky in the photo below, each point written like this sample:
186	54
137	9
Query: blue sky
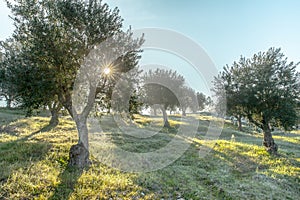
225	29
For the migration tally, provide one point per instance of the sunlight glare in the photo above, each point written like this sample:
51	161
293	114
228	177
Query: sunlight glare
106	71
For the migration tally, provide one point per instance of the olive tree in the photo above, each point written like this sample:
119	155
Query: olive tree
161	87
60	37
264	89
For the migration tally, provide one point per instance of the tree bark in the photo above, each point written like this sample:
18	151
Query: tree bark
165	117
79	153
54	118
54	109
268	142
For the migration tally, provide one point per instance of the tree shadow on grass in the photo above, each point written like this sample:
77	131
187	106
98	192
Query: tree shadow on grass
20	154
46	128
12	130
69	178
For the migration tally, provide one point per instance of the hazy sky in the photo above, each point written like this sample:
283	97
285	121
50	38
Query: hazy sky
225	29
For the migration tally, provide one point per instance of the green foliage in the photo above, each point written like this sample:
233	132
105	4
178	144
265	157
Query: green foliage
188	99
135	104
263	88
9	62
126	95
61	40
56	36
162	86
203	100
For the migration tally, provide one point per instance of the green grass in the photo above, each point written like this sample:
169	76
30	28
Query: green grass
8	115
34	164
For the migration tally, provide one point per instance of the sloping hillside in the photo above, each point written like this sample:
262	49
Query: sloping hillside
34	165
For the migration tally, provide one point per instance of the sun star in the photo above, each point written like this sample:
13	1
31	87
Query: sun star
106	71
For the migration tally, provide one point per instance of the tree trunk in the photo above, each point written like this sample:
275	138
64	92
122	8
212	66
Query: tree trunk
8	103
54	118
80	109
165	116
268	142
239	122
79	153
183	112
54	108
8	99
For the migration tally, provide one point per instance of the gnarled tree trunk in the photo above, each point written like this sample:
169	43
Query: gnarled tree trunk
54	118
79	153
54	109
268	142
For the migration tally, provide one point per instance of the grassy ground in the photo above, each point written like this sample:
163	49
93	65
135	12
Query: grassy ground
8	115
34	164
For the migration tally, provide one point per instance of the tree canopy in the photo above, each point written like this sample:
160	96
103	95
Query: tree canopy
8	68
57	38
166	89
188	99
264	89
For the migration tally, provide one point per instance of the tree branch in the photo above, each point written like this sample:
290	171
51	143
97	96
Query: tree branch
254	122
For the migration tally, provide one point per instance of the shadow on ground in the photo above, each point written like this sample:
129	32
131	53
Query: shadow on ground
65	188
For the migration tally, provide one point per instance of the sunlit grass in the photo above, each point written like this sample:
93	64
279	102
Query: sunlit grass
295	140
34	164
296	131
174	120
204	117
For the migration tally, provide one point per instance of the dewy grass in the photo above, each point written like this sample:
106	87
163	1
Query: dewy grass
33	164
